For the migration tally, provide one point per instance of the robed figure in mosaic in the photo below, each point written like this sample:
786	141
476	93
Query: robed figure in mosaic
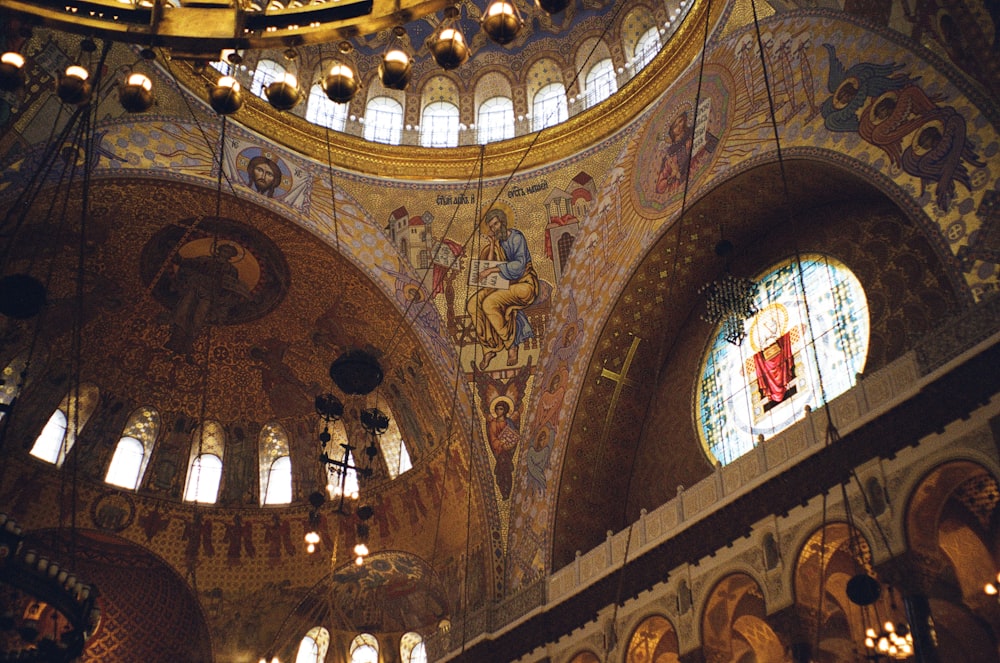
504	285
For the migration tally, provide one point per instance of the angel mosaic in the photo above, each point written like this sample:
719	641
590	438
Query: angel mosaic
895	111
502	402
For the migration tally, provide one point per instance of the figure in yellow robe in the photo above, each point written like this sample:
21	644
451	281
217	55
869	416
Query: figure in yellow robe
499	314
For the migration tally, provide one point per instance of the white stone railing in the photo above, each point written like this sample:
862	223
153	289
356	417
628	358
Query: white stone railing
955	342
872	396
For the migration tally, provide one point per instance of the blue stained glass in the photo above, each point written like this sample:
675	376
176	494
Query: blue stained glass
809	349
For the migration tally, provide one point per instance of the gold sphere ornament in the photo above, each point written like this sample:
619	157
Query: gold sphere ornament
340	84
502	22
283	93
552	6
136	93
11	71
225	96
73	86
449	48
395	69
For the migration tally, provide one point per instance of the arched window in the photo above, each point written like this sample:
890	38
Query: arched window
600	82
126	463
384	120
267	71
134	449
205	468
548	107
313	647
10	385
397	458
320	110
340	481
412	649
275	466
364	649
646	48
204	479
495	120
763	385
439	125
279	482
59	433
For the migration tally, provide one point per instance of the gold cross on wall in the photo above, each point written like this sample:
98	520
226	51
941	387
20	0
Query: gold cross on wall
621	381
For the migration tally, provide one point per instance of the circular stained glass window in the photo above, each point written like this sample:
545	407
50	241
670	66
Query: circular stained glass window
806	345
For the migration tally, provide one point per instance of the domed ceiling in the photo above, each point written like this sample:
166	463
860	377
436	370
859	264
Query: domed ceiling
289	305
498	498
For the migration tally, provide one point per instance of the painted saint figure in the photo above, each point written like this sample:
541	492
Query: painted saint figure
503	436
208	287
498	314
265	176
678	158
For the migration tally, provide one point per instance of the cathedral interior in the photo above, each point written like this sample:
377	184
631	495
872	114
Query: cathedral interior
646	331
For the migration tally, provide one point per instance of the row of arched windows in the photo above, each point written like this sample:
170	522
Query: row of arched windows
135	447
494	117
363	649
440	124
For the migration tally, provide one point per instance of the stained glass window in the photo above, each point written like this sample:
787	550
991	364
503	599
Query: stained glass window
384	120
788	359
267	72
320	110
647	47
340	481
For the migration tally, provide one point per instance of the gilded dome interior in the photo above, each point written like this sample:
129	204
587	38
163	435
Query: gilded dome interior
535	301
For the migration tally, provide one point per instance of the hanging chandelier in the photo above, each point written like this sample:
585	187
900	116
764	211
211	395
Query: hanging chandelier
447	45
48	614
357	373
730	300
397	63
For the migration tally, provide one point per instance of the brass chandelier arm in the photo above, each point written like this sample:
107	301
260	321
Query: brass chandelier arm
202	29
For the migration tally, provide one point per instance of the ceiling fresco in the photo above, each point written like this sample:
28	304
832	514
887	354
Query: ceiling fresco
524	395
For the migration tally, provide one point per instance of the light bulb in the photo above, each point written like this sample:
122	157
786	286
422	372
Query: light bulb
397	55
76	71
359	560
140	80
